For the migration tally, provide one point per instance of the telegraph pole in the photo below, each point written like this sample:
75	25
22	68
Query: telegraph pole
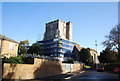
1	64
2	38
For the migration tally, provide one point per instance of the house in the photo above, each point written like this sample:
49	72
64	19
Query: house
76	51
8	47
77	48
94	54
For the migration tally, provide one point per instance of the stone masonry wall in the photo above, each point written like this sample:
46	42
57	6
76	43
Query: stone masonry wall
40	68
76	67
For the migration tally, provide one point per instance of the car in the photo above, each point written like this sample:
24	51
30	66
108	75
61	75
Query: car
116	70
100	69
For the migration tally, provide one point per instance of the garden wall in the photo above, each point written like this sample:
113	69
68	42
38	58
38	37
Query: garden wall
41	68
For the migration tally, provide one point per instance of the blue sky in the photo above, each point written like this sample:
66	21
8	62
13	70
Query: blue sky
91	20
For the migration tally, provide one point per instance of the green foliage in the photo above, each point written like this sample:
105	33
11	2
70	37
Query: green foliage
111	66
14	60
70	60
85	56
23	47
35	49
24	43
108	56
28	60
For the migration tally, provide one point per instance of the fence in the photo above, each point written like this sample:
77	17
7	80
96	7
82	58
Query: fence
67	67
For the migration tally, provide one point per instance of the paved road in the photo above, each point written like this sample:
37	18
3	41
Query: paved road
76	76
93	74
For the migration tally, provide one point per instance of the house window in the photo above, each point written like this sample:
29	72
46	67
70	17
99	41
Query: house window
11	46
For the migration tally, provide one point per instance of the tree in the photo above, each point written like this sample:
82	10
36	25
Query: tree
113	39
108	56
35	49
85	56
23	47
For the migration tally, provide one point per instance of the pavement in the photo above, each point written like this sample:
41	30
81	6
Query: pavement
83	75
93	74
64	76
61	77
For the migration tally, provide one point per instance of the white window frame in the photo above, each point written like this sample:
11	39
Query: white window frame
11	46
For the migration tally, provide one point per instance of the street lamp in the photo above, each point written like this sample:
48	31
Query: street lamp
96	44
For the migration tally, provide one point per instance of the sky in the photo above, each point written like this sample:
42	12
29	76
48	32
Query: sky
91	20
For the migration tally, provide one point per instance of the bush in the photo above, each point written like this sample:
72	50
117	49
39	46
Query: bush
70	60
112	66
28	60
14	60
